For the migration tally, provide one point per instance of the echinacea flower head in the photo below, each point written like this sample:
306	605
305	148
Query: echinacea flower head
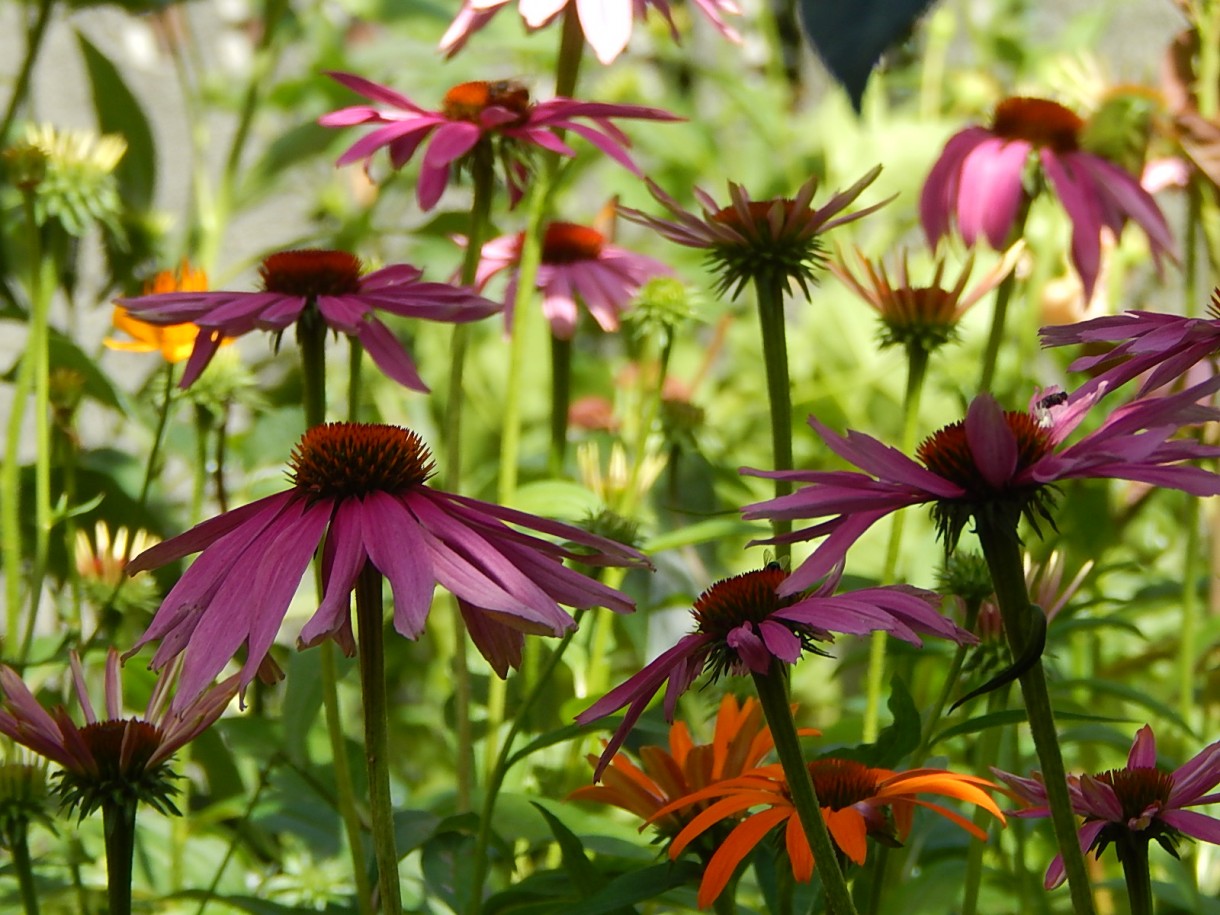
746	623
25	798
1139	802
740	741
111	759
750	240
857	802
174	342
923	317
579	266
311	285
1163	345
495	119
995	465
979	184
606	24
362	488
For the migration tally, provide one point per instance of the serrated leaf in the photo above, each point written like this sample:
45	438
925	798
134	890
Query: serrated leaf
851	35
118	111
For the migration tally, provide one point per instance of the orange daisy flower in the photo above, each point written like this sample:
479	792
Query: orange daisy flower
174	342
858	802
740	741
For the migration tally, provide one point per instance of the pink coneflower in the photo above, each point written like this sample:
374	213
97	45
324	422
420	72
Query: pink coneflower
1163	345
112	758
497	113
979	183
1140	801
311	285
995	464
606	24
748	240
743	623
578	265
361	488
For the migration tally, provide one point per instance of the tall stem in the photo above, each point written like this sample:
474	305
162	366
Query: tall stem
119	825
773	697
1133	853
19	848
995	336
770	291
1003	554
561	398
917	370
369	620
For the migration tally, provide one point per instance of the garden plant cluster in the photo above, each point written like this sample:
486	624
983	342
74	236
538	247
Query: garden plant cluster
610	456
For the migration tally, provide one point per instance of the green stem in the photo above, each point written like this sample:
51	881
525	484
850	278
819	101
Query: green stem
773	696
917	372
988	754
21	86
1188	638
950	684
41	285
561	399
1133	853
355	352
369	621
769	288
19	848
571	51
1002	551
503	762
119	825
311	338
995	337
343	778
1207	80
199	485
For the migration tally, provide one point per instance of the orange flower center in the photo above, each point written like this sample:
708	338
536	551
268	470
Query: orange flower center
566	243
843	782
1039	121
122	749
1139	791
467	101
759	210
746	598
346	460
948	453
311	272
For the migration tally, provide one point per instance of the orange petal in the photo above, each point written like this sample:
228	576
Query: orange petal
740	842
706	819
799	853
849	831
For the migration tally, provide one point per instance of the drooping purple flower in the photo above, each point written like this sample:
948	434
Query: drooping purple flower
362	489
744	623
979	183
1163	345
995	463
499	113
310	285
1140	799
578	266
607	24
111	758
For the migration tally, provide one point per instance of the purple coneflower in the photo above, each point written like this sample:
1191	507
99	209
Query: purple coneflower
112	758
1164	345
995	464
1139	802
474	112
578	265
606	24
749	240
361	488
743	623
979	183
310	285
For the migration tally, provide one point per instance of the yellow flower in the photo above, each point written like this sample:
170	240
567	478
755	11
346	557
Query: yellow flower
176	341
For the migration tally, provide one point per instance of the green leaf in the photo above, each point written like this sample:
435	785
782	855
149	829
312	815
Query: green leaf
642	885
701	532
1141	697
895	741
302	701
118	111
562	735
1012	716
583	874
